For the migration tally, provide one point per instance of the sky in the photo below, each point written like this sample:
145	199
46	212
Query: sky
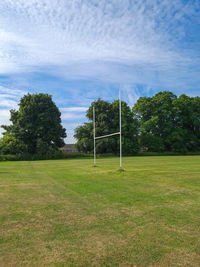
81	50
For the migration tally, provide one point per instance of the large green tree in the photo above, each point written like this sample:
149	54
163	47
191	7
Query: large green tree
129	128
37	123
169	123
156	119
187	123
107	121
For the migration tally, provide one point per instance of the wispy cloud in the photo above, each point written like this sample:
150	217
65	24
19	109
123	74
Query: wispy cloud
71	118
9	99
4	119
131	94
73	113
74	109
114	43
87	38
5	102
12	92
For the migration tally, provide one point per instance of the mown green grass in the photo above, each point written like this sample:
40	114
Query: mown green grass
68	213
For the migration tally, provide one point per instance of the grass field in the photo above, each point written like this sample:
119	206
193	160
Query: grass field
68	213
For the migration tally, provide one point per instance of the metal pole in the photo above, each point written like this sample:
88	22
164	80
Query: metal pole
107	135
94	136
120	128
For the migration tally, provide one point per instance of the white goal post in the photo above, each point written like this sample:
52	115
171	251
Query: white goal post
108	135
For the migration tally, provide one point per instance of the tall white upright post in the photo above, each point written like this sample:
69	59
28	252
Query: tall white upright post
94	136
120	128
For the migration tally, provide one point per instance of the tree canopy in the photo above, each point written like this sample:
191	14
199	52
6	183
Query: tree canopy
36	125
161	123
107	121
169	123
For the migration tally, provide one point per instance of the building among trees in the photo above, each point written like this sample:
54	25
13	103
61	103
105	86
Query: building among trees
69	148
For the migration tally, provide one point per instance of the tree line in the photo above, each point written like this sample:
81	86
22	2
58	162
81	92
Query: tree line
161	123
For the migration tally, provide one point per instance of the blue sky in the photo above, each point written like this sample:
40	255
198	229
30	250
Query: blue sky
78	51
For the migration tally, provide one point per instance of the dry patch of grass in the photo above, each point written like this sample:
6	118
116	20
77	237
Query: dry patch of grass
180	257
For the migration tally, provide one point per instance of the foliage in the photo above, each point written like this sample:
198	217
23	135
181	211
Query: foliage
161	123
169	123
36	125
107	122
8	157
129	128
9	144
84	135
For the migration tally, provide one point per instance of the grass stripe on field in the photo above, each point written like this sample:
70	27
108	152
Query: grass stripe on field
68	213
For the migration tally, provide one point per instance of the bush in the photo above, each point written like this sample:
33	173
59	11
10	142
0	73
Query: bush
10	145
9	157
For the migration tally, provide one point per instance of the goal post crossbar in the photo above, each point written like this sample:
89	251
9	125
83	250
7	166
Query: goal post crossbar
107	135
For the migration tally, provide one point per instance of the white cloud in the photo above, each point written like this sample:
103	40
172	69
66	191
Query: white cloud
131	93
71	116
88	38
4	102
11	92
4	119
9	98
4	116
73	113
122	42
74	109
70	126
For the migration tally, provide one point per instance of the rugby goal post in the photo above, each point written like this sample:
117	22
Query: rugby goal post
109	135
